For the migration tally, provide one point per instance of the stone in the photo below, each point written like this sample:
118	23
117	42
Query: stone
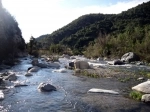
11	77
143	87
97	90
35	61
46	87
81	65
71	64
63	70
118	62
41	65
140	78
1	95
28	74
130	57
34	69
72	57
55	65
145	98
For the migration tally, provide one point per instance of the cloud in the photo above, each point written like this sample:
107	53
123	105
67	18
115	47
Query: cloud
38	17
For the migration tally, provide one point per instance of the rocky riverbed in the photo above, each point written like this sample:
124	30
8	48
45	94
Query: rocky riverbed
72	89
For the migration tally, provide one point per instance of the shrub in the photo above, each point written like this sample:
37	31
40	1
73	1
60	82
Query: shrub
135	95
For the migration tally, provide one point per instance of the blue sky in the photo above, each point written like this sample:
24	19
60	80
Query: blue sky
38	17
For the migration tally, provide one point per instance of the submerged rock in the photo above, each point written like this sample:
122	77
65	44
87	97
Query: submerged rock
96	90
46	87
143	87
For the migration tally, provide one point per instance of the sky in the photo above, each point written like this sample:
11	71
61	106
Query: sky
39	17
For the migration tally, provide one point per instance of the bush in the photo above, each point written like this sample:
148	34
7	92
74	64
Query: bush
135	95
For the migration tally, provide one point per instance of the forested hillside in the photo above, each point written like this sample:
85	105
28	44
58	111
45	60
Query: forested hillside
11	41
105	34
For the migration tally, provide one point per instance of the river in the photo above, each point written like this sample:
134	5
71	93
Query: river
71	94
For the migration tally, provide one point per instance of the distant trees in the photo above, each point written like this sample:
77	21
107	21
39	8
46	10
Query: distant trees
105	34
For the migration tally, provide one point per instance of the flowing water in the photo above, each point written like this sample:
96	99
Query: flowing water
68	97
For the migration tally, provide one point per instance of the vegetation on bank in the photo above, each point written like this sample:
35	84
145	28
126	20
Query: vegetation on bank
106	35
11	41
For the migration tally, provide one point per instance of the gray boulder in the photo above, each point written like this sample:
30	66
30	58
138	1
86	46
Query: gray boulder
143	87
130	57
46	87
145	98
81	65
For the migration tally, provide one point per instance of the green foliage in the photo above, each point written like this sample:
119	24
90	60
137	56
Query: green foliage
106	34
11	41
135	95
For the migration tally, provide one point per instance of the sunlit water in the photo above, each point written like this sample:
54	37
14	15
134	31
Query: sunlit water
70	89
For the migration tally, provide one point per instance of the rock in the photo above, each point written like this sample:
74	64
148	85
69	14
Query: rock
41	65
81	65
11	77
66	56
145	98
71	64
46	87
140	78
34	69
118	62
55	65
28	74
99	59
1	95
35	62
77	70
96	90
129	57
63	70
143	87
72	57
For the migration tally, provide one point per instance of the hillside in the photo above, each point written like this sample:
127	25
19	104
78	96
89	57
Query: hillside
11	41
92	30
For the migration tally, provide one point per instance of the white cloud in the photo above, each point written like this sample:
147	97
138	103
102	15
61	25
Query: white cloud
38	17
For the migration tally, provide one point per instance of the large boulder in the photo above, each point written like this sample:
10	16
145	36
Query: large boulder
130	57
145	98
81	64
143	87
46	87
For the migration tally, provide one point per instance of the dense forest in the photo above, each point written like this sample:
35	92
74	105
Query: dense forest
106	35
11	41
